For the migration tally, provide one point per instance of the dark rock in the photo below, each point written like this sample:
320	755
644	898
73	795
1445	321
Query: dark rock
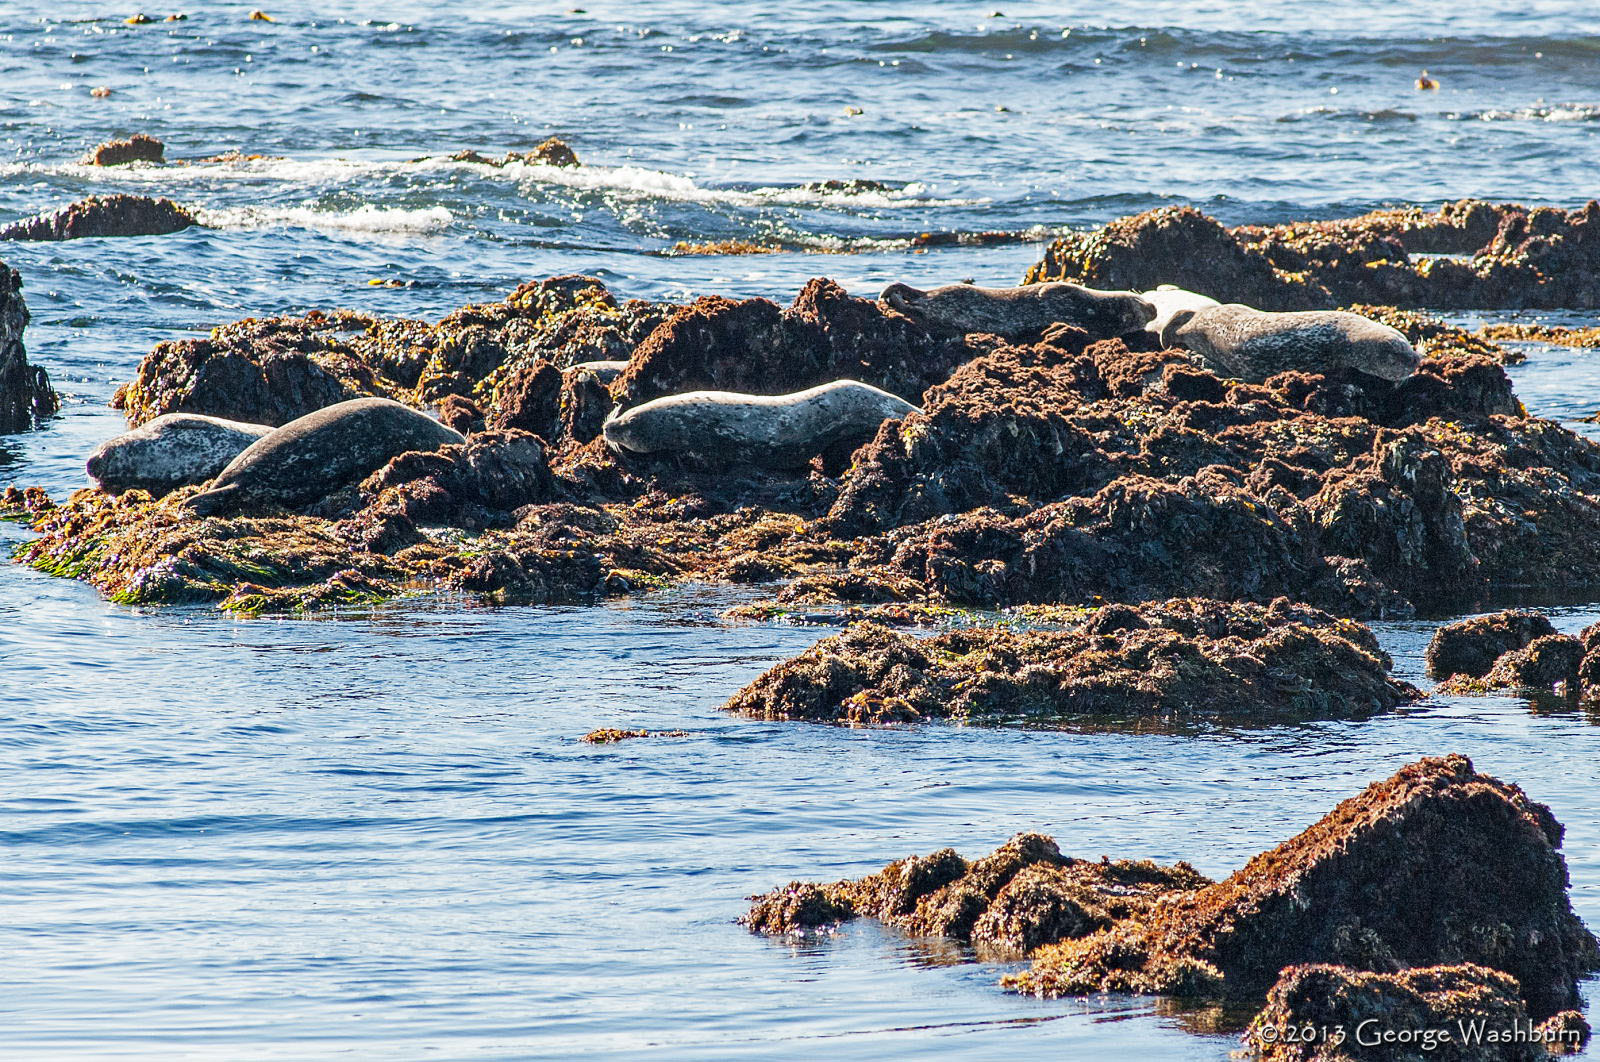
1426	1009
1183	657
104	215
1521	258
26	397
1470	647
137	148
1549	663
1436	865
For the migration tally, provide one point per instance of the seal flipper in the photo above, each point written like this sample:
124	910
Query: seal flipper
210	502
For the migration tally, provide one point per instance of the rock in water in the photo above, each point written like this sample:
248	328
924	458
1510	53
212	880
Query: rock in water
1438	864
1350	1012
773	431
26	396
104	215
137	148
169	452
1020	313
1244	343
306	459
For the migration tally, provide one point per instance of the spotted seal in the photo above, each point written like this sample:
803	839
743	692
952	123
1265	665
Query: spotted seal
773	431
1020	313
1168	299
1244	343
309	458
170	451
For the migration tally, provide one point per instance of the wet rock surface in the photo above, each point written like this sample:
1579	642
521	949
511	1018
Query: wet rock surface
104	215
1461	1013
26	397
1438	865
1516	651
1168	659
139	147
1466	254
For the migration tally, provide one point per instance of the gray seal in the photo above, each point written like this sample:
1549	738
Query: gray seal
1168	299
773	431
309	458
1244	343
170	451
1021	313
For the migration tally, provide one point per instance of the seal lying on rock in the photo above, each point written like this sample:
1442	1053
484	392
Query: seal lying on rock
604	371
170	451
1248	344
309	458
1021	313
774	431
1168	299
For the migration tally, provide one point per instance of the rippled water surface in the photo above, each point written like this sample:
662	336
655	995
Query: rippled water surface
378	835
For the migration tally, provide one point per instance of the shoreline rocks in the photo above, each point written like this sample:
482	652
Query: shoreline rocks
137	148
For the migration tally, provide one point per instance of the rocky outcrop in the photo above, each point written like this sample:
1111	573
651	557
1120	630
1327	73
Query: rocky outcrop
1173	659
1470	647
1462	1013
755	347
104	215
1006	904
137	148
1468	254
26	397
1438	865
1516	651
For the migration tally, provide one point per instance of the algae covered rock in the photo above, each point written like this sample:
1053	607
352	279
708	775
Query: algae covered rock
1456	1013
1173	658
104	215
1436	865
1005	904
1471	646
139	147
1468	254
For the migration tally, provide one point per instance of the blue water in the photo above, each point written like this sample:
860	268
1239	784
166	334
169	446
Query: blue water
378	835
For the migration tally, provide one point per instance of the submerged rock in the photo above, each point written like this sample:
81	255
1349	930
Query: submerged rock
137	148
1174	658
1458	1013
104	215
26	397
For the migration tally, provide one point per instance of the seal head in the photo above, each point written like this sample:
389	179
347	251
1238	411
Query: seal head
170	451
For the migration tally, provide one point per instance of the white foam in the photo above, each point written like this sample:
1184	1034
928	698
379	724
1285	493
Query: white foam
367	218
630	182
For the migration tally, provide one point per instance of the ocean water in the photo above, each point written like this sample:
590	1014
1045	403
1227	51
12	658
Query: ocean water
377	835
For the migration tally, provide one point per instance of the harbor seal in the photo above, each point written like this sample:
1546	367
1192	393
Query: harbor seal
1021	313
1244	343
773	431
309	458
169	452
604	371
1168	299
